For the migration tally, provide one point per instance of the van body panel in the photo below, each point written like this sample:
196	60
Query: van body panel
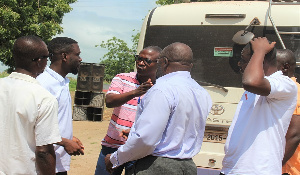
208	28
213	151
224	105
203	40
173	14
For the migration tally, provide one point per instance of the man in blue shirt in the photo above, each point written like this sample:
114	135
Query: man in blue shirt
170	120
65	58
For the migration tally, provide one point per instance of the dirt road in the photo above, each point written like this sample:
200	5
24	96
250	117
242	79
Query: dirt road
90	133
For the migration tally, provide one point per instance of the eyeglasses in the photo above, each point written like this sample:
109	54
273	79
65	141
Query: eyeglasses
147	61
41	57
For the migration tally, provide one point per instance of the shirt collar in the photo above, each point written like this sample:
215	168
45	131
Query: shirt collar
186	74
57	76
276	74
24	77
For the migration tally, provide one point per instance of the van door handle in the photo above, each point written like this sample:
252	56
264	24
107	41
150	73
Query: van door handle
289	33
225	15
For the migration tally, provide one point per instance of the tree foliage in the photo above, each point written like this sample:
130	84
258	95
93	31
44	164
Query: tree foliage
168	2
29	17
119	58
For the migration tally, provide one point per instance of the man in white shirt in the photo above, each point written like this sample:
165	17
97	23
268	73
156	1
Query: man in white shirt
29	125
256	138
170	120
65	58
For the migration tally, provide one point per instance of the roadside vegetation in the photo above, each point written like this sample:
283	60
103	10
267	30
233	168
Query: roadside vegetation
72	84
3	74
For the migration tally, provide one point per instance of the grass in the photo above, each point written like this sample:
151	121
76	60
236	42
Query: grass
72	84
3	74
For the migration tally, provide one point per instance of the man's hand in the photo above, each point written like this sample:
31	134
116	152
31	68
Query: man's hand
116	100
262	45
108	163
71	147
143	88
125	133
75	139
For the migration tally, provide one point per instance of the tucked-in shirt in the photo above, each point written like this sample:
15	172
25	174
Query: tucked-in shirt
123	116
59	88
28	119
256	137
292	166
170	120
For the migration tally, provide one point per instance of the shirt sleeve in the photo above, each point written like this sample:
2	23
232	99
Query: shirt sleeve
116	85
147	131
46	128
282	88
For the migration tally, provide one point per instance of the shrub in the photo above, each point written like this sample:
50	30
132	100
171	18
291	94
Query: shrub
3	74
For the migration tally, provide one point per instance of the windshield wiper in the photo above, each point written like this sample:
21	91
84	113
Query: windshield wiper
211	84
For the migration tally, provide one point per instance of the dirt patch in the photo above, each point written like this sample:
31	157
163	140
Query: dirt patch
90	133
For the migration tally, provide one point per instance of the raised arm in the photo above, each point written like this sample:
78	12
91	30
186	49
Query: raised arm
115	100
253	78
142	139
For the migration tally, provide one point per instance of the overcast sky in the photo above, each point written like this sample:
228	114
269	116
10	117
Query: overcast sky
93	21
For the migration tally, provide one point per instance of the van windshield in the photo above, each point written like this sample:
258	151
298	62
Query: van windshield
215	54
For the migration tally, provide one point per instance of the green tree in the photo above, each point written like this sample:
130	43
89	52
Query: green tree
119	58
29	17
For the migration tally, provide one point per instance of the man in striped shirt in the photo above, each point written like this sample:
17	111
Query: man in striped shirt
123	95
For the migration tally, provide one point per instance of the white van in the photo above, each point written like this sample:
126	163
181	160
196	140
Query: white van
209	29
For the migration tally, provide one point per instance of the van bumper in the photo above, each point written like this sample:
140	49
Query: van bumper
207	171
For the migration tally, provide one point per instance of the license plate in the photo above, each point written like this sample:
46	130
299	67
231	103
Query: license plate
215	137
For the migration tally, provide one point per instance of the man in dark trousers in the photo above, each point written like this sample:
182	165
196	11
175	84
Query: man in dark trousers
170	121
65	58
256	137
29	124
287	63
125	92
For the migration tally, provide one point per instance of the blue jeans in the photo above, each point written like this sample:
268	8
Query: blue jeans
101	168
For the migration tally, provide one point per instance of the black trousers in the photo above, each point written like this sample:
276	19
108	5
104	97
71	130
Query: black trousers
152	165
282	174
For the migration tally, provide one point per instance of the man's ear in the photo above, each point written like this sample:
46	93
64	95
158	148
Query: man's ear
166	64
64	56
285	68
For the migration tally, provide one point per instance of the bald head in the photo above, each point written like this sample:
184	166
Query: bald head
286	55
175	57
178	52
153	48
27	48
286	61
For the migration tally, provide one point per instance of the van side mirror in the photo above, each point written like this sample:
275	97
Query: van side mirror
242	37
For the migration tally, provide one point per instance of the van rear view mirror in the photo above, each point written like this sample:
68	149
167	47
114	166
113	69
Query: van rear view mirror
242	37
